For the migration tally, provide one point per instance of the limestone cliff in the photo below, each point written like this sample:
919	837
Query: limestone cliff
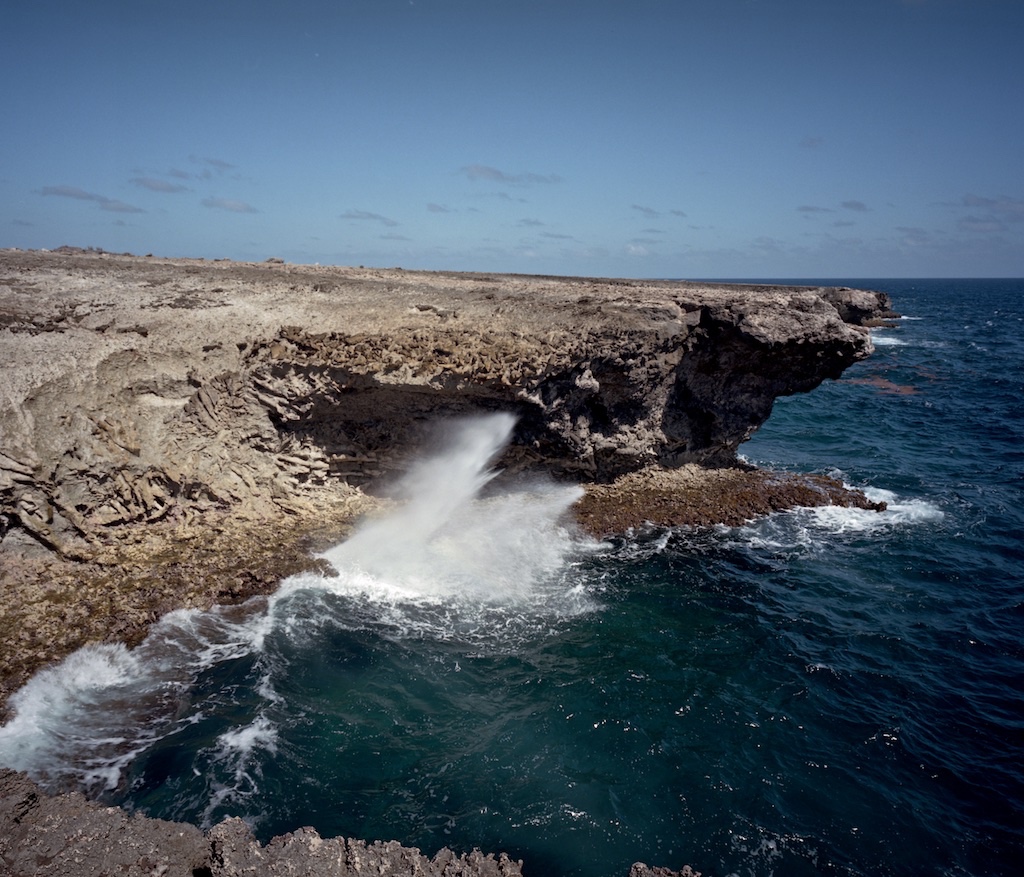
169	429
137	390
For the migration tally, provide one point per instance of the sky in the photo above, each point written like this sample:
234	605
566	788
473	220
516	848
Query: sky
621	138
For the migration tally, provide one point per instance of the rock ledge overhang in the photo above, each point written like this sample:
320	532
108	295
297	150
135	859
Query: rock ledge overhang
170	429
138	390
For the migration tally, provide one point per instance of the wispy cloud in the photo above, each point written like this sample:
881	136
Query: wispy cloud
530	223
557	237
104	202
855	206
997	213
367	216
439	208
678	213
211	168
229	204
493	175
646	211
216	163
390	236
914	235
812	142
981	224
157	185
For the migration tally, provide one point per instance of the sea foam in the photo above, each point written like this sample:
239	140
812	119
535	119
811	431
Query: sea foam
444	563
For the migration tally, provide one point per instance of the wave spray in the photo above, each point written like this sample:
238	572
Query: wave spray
444	565
445	541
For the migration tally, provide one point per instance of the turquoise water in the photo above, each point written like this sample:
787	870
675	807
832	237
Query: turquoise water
821	692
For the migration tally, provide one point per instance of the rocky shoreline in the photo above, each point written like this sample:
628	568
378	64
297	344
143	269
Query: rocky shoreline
68	836
178	433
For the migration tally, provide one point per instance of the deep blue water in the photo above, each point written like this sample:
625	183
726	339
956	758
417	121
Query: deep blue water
820	692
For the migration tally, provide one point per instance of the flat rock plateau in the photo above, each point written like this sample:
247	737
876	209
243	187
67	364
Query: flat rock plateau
180	432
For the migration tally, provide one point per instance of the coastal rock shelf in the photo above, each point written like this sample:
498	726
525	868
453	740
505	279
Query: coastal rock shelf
175	433
170	428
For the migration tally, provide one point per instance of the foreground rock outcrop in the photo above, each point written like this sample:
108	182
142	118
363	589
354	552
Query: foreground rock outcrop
175	433
68	836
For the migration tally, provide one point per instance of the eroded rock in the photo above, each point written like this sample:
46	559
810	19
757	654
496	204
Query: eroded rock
174	432
68	836
179	432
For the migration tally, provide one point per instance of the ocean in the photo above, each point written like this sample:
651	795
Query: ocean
822	691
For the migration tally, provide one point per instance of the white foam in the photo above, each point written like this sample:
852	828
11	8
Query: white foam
881	340
445	564
235	771
46	707
85	718
806	527
446	545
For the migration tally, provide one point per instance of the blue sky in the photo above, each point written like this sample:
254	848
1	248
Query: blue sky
640	138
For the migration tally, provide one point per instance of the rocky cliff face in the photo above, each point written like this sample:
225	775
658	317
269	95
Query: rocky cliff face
141	390
170	429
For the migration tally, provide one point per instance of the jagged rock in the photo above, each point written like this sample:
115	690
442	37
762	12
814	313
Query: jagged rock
172	430
861	307
68	836
639	869
178	432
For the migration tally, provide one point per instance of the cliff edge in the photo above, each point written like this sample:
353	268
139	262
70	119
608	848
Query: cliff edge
179	432
172	430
